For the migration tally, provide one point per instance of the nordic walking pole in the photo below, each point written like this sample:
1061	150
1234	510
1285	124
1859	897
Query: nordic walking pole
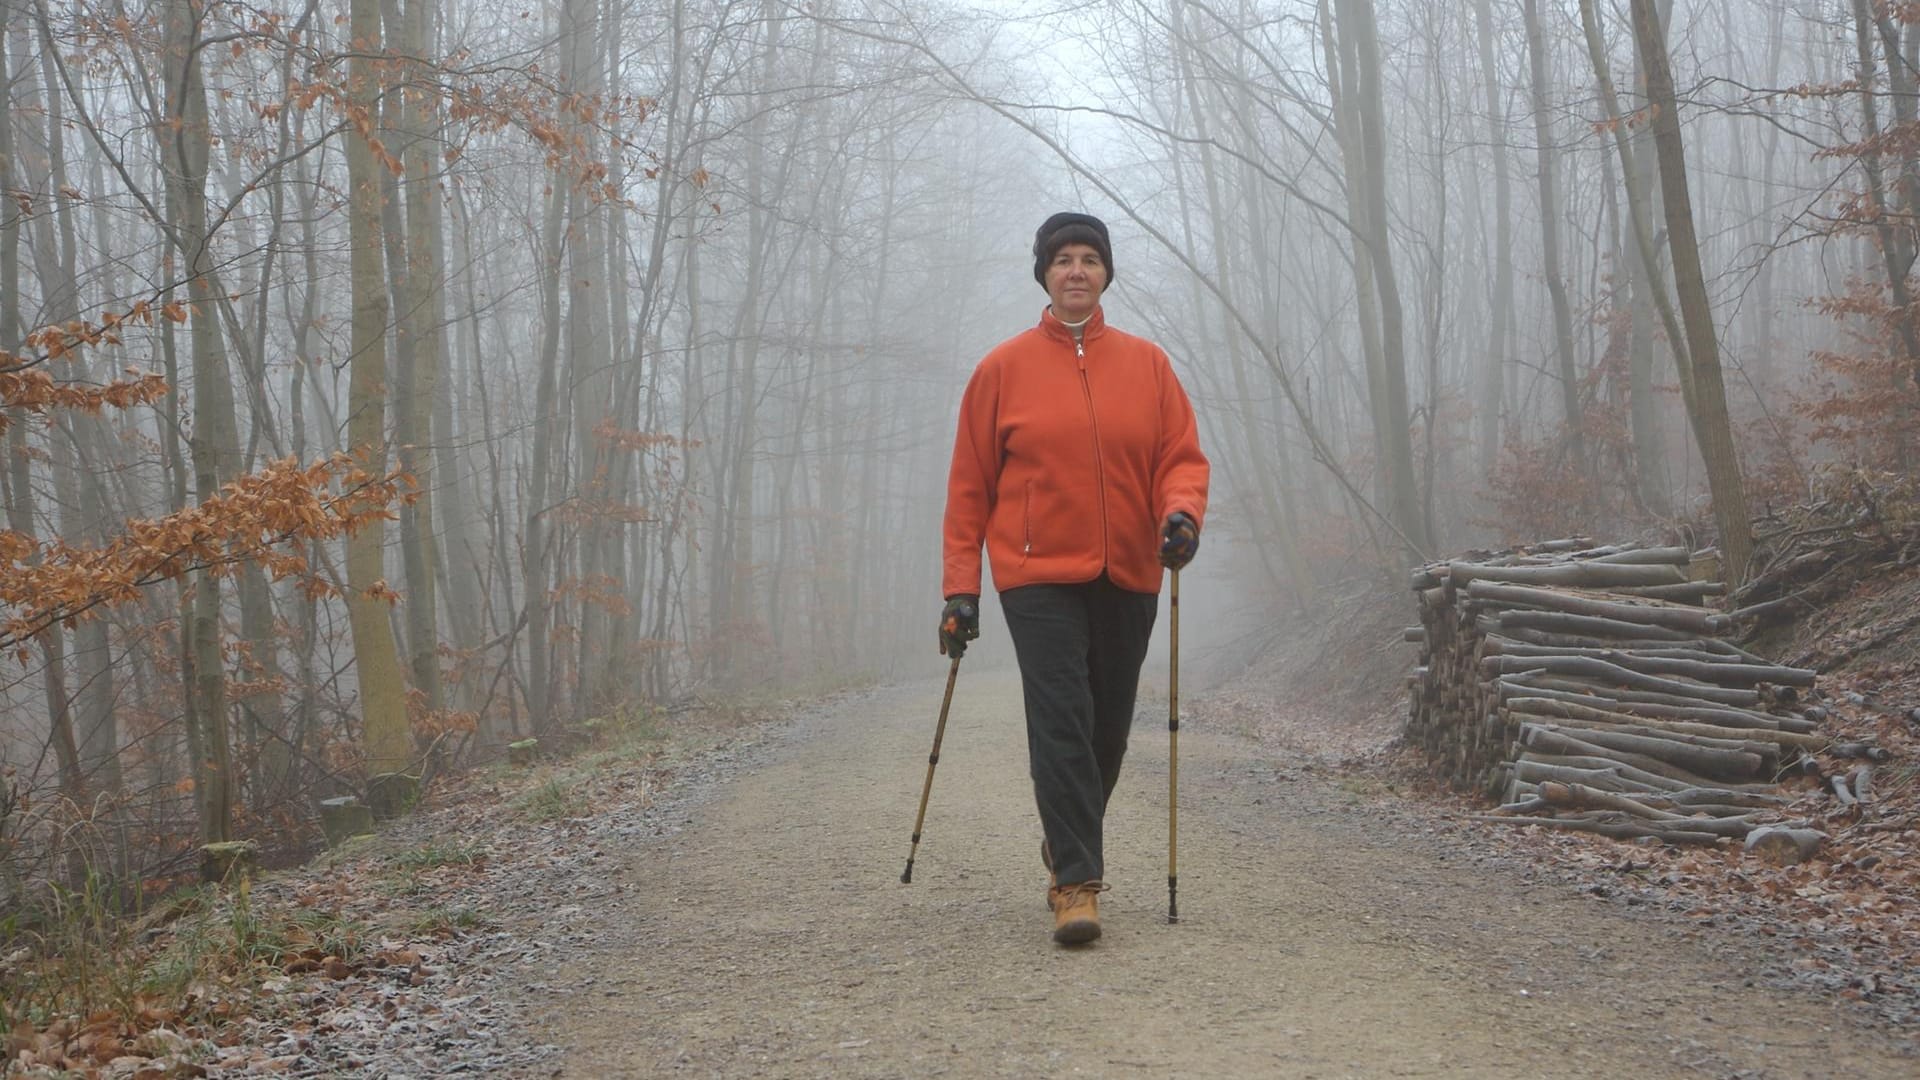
1173	757
939	732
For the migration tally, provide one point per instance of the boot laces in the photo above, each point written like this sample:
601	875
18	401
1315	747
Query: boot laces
1085	890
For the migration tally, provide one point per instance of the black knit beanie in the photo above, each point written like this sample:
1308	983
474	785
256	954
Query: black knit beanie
1069	228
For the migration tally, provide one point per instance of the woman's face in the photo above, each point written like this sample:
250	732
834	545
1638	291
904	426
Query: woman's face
1075	279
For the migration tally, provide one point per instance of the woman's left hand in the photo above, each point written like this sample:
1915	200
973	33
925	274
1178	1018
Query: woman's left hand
1179	540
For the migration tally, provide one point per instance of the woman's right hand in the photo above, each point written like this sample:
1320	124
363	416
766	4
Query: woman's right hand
959	624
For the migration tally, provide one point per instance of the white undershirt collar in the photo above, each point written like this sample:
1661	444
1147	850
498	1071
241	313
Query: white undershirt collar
1079	329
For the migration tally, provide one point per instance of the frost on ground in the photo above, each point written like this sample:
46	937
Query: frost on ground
721	897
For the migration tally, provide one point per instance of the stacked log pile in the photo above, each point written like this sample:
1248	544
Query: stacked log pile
1589	688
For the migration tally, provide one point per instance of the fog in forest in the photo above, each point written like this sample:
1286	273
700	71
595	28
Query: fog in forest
388	382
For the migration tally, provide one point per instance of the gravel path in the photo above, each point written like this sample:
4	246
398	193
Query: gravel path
759	928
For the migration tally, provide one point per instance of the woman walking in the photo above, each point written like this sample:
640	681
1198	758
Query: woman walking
1078	466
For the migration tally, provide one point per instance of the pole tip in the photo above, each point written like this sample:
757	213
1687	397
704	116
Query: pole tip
906	876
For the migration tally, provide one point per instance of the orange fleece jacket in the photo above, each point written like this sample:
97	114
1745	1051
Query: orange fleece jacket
1066	462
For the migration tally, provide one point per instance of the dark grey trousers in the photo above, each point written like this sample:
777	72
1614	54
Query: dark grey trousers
1080	649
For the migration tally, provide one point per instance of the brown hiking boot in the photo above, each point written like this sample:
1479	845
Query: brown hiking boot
1076	912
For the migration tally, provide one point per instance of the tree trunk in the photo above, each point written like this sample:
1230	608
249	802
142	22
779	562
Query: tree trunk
187	146
1712	427
1341	65
1436	447
534	547
54	266
1550	244
418	385
1763	289
1500	300
262	710
464	549
1255	474
80	452
1397	447
1353	60
1896	242
1648	285
389	742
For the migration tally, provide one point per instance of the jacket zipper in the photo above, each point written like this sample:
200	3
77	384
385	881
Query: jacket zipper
1093	423
1026	521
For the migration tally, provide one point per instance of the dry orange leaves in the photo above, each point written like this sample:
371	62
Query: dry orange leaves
266	517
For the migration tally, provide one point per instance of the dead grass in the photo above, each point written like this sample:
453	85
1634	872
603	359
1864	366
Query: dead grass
91	973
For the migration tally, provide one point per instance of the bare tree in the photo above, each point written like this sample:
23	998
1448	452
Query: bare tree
1500	295
1545	149
1712	428
389	743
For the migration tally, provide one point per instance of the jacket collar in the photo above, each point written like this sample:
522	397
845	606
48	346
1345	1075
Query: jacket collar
1051	325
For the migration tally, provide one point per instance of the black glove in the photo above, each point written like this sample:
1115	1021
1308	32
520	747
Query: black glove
959	624
1179	540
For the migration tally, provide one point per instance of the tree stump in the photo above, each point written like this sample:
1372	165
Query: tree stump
343	818
231	860
522	753
390	795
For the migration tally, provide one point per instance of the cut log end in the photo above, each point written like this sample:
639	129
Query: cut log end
1783	846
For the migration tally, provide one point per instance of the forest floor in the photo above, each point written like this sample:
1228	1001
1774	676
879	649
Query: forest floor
1329	928
728	904
719	895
